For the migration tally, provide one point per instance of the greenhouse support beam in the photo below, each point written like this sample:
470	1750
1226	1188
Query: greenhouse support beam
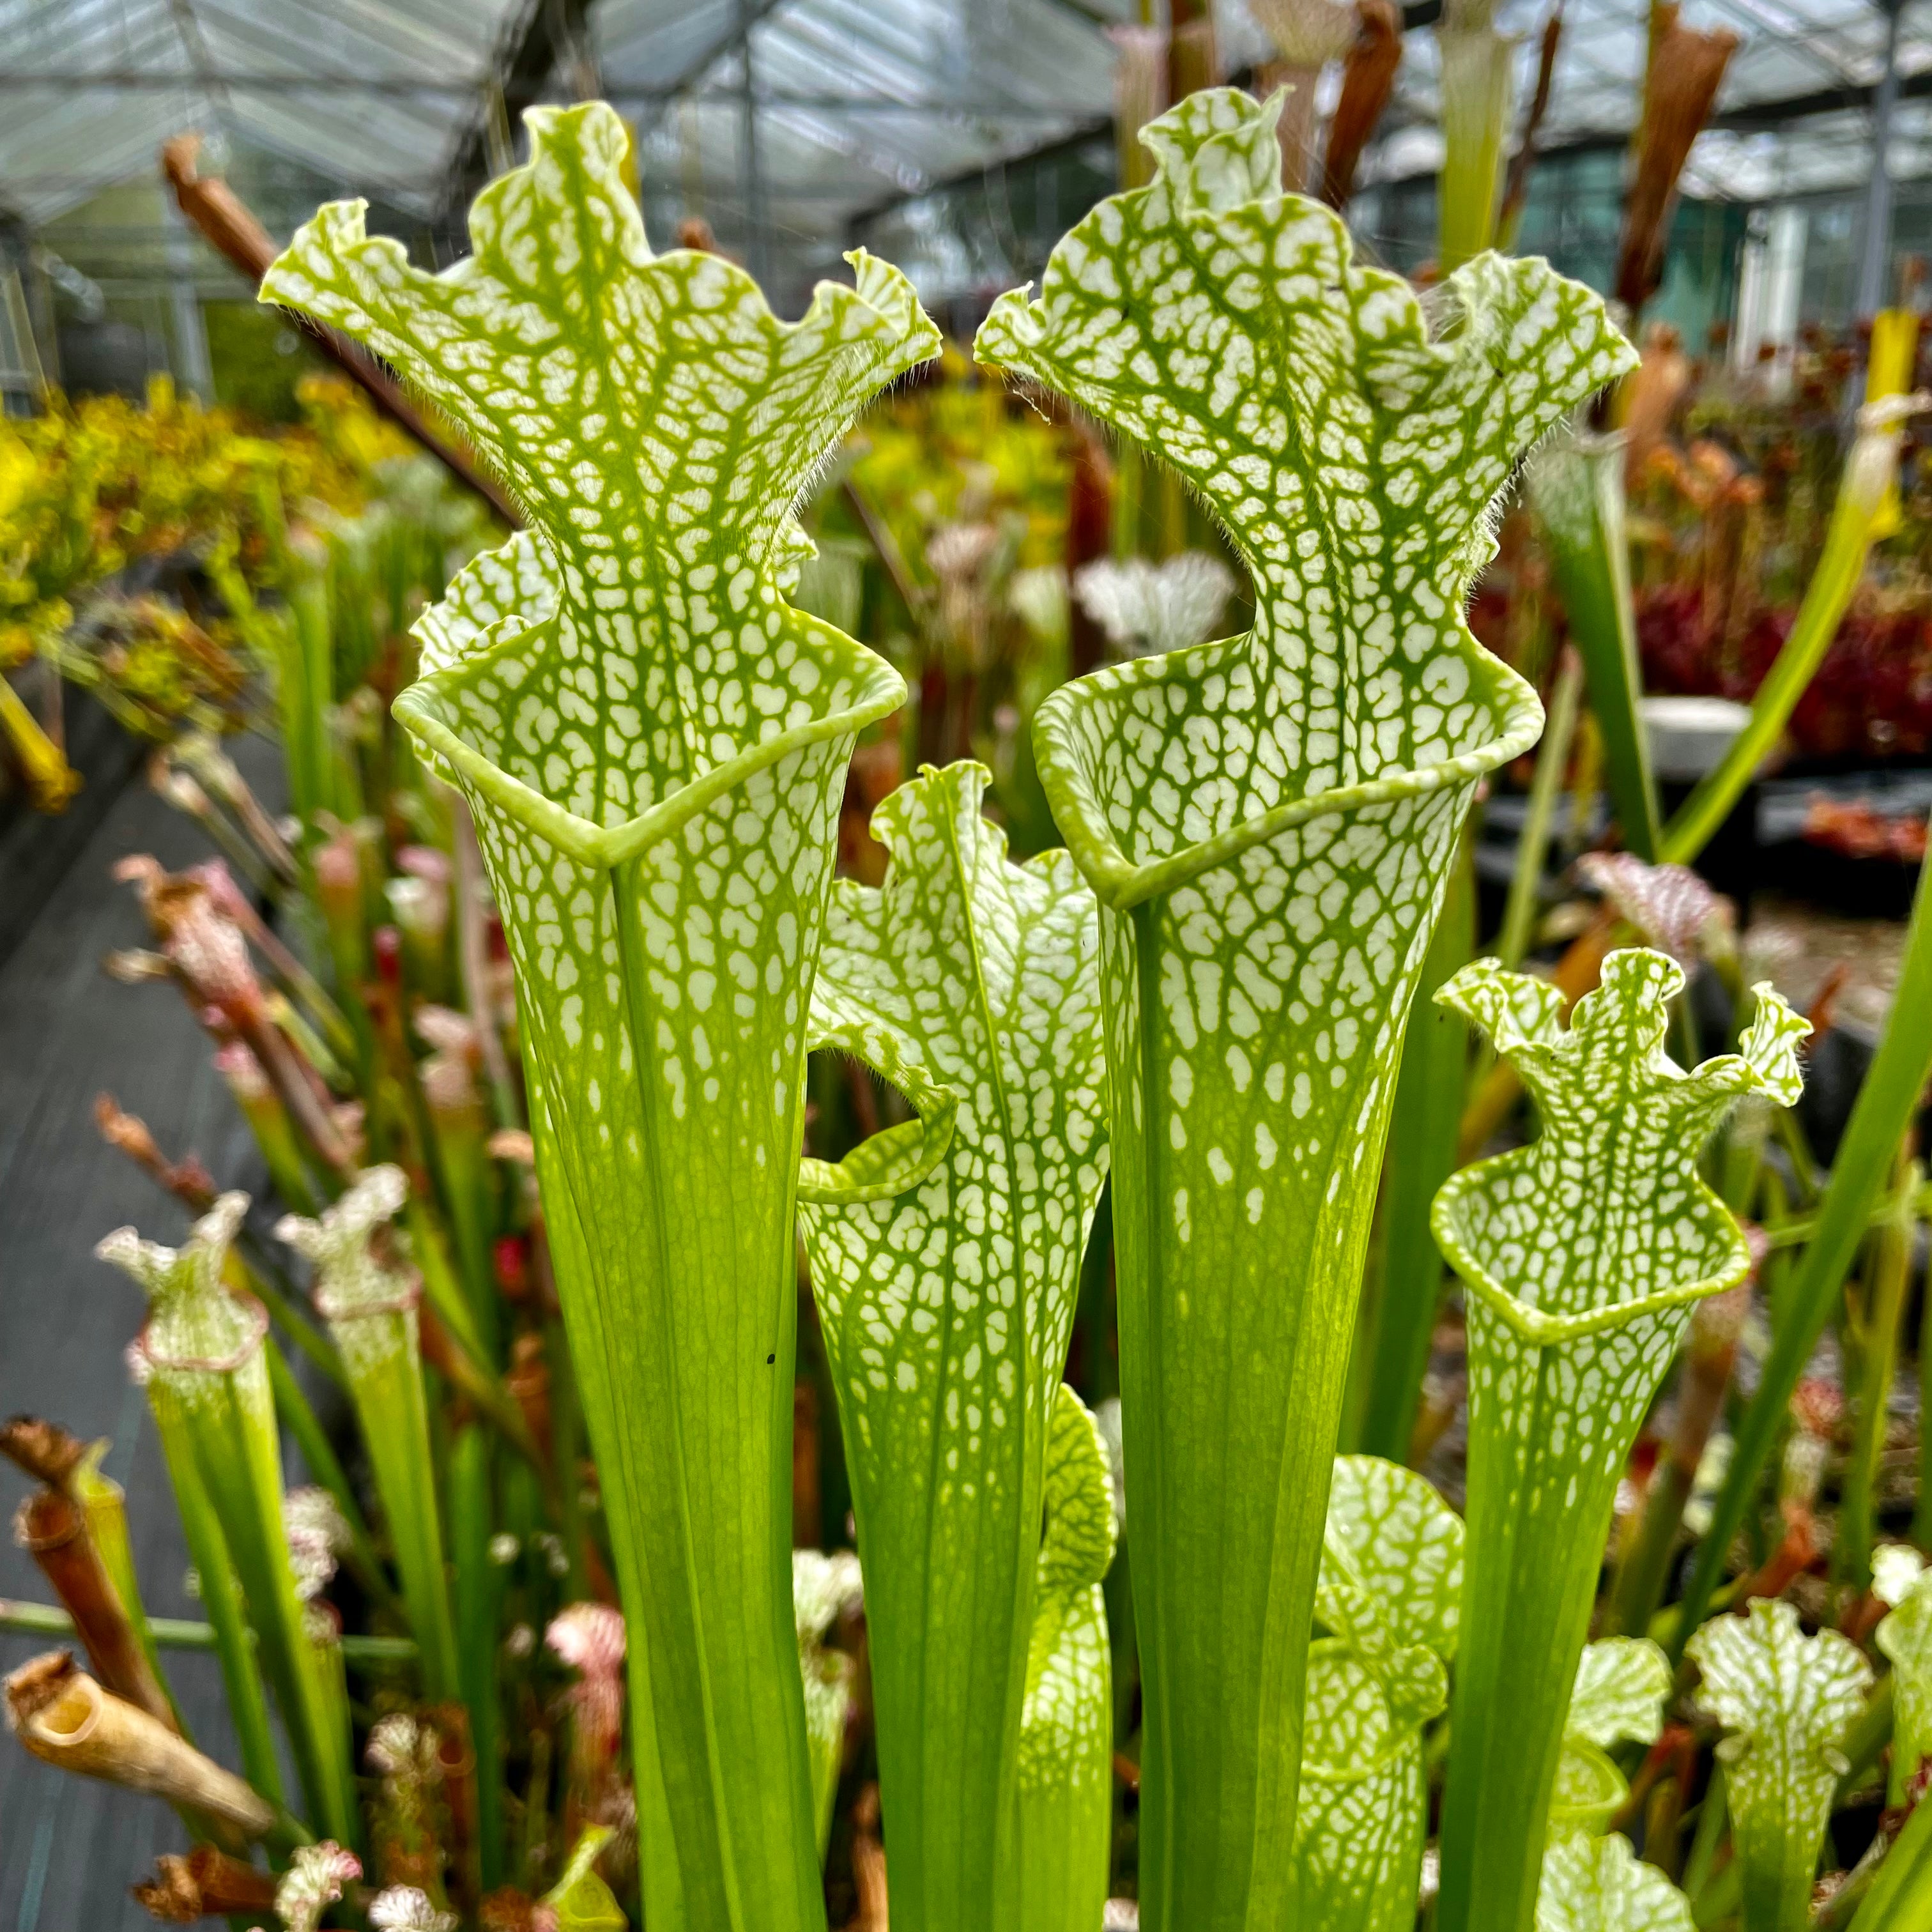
816	101
1875	255
538	39
192	368
750	159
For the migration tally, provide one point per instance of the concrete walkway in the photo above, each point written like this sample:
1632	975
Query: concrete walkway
69	1849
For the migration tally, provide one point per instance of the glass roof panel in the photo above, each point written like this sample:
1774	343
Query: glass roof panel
372	93
859	104
1827	54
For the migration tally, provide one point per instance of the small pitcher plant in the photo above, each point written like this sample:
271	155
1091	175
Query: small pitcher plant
1390	1594
370	1306
1785	1701
946	1312
201	1355
1583	1254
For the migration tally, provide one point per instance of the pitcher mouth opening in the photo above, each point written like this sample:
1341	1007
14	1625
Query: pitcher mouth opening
1121	882
427	710
1727	1263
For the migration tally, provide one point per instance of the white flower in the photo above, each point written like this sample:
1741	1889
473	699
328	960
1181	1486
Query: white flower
317	1534
590	1636
957	551
822	1587
312	1882
1148	608
1896	1568
402	1908
401	1746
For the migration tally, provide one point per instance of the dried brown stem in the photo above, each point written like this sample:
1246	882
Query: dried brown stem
1685	70
528	1381
507	1910
807	1495
295	1080
226	223
209	952
1650	395
1795	1554
1433	1415
868	1866
205	1884
300	982
1140	95
62	1717
1368	78
1711	1349
42	1450
1193	55
202	753
1515	184
457	1760
51	1527
187	1180
1089	531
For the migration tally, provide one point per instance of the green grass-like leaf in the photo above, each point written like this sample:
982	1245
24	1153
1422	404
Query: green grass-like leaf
1577	483
653	745
1583	1253
946	1312
1887	1102
1268	822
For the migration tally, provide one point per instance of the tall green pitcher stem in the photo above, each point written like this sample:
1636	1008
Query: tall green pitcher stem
1583	1254
207	1385
652	744
1266	822
370	1309
946	1312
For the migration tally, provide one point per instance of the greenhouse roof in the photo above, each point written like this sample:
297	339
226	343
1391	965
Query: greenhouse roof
862	104
372	94
855	105
1813	62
